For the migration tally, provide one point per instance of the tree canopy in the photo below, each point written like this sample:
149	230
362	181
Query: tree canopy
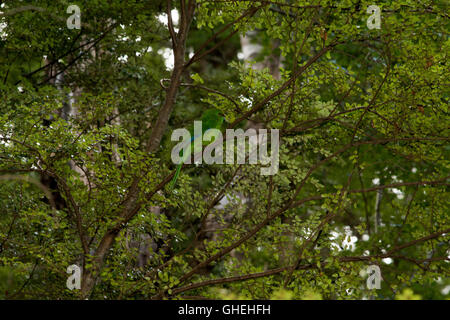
86	117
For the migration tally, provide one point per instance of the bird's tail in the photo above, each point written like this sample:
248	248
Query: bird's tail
175	177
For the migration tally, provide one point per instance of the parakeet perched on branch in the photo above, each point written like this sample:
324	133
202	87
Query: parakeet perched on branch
211	119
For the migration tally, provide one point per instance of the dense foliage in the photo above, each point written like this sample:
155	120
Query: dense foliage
86	117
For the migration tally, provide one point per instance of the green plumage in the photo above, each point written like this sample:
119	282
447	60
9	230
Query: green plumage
211	119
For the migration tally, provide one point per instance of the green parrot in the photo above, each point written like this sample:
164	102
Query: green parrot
211	119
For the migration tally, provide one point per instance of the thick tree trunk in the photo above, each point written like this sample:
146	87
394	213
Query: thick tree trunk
179	48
